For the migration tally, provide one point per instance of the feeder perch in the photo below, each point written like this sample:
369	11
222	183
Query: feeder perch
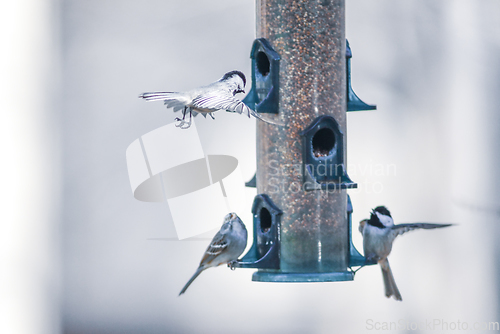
354	103
252	183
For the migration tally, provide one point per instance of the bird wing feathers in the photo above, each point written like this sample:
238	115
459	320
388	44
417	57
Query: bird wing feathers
204	102
220	102
403	228
168	97
217	246
228	103
174	100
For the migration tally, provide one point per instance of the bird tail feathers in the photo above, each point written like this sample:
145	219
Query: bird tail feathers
198	272
158	96
391	288
170	99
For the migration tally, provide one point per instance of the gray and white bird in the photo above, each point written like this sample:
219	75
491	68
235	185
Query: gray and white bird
206	100
226	246
379	233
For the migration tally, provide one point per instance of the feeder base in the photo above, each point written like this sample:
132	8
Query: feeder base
269	276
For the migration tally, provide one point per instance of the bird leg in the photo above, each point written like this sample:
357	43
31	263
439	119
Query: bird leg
183	117
182	123
232	265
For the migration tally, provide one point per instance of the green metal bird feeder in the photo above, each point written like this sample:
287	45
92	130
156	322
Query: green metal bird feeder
301	78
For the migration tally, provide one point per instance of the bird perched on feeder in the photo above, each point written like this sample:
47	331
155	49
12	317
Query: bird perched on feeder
379	233
226	246
206	100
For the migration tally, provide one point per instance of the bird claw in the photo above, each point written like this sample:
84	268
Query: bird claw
232	265
182	123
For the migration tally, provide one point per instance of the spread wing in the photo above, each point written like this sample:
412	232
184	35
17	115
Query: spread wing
220	102
217	246
403	228
174	100
226	102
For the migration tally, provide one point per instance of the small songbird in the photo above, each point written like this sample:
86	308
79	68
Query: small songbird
379	233
206	100
227	245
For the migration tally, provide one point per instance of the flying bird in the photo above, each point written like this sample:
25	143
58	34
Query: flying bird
206	100
379	233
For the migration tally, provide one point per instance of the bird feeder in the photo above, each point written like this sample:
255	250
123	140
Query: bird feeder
301	78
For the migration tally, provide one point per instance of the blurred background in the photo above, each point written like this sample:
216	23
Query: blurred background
78	253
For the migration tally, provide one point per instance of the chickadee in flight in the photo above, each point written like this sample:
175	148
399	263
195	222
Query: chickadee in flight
205	100
225	247
378	234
